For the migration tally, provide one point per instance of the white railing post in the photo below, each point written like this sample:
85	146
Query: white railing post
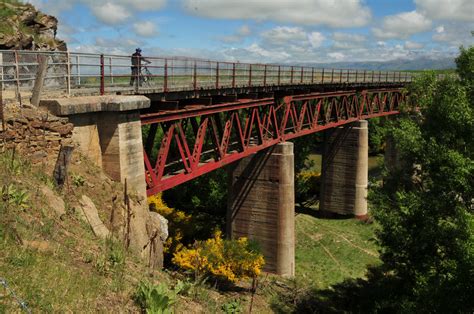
111	71
17	70
78	71
68	71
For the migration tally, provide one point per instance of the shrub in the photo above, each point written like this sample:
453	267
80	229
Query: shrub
228	260
232	307
308	185
155	298
12	195
179	223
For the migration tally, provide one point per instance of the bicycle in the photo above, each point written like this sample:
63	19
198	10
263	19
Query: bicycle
146	76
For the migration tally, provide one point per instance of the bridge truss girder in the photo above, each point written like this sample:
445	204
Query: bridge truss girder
184	144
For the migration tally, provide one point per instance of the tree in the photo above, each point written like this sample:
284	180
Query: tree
426	207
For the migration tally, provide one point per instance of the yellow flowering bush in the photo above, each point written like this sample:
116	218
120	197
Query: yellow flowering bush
179	223
228	260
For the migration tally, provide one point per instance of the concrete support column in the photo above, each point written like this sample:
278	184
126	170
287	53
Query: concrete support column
120	135
345	170
261	205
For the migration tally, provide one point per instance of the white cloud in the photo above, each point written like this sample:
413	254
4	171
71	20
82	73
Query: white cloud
348	41
145	29
268	54
316	39
283	35
452	10
336	56
125	43
402	25
110	13
244	30
348	37
292	38
454	33
413	45
143	5
341	13
238	36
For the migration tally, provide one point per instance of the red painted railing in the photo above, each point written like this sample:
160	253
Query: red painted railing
81	73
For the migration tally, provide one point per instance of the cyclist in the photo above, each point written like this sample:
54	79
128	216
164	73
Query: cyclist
137	61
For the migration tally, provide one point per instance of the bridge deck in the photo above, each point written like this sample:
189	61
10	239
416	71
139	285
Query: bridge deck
70	74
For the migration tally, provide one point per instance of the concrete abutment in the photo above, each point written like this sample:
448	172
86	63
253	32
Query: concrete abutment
107	129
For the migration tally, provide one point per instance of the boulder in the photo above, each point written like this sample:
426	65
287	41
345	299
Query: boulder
55	202
148	232
92	217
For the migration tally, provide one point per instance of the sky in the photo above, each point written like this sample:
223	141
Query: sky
283	31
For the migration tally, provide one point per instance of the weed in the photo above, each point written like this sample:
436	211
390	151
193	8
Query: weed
44	178
116	256
21	259
13	164
14	196
88	257
183	287
155	298
47	228
112	259
232	306
78	180
101	265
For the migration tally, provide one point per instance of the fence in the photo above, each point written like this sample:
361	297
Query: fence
71	73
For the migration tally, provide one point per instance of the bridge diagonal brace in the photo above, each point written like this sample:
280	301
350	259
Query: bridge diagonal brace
239	130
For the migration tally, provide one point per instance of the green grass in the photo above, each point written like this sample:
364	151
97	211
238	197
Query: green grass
329	251
47	281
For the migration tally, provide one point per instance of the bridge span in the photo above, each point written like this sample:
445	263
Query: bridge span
183	118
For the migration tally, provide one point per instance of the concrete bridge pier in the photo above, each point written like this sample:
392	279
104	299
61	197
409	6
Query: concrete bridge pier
261	205
345	170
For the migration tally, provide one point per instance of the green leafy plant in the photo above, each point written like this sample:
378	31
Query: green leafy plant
78	180
12	195
183	287
155	299
13	164
112	259
232	307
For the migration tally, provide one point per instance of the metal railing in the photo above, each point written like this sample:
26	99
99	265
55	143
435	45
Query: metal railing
71	73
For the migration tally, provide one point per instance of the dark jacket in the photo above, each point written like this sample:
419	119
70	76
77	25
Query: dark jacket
136	59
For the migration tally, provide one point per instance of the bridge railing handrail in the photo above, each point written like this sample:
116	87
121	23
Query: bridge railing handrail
77	72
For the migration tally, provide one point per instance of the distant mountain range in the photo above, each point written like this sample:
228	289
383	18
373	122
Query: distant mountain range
394	65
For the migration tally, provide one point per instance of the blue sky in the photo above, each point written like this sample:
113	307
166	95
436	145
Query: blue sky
293	31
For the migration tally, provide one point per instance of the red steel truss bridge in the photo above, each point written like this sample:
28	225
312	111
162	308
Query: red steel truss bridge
206	114
184	143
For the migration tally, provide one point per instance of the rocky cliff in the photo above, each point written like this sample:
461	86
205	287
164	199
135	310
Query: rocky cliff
25	28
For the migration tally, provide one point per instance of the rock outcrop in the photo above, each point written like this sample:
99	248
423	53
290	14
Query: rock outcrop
22	27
